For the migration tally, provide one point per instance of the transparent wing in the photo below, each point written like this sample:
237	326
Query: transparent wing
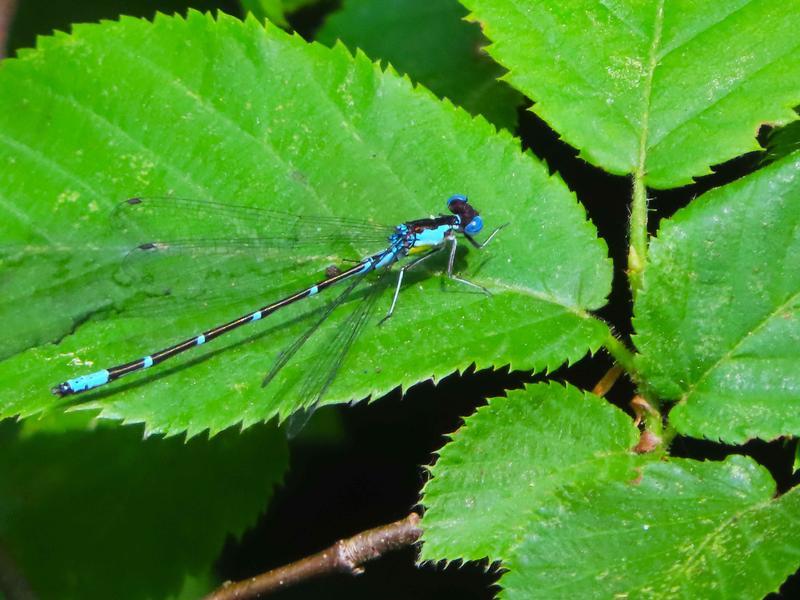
324	372
218	225
336	344
287	354
190	277
197	254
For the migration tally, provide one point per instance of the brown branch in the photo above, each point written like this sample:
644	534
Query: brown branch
608	380
7	10
345	556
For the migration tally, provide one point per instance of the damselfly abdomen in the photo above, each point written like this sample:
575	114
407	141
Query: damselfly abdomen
416	240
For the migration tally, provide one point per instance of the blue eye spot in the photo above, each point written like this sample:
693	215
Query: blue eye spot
474	226
456	198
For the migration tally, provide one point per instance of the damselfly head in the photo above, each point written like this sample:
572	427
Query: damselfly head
471	222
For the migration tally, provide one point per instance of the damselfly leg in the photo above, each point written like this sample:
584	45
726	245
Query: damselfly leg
400	275
479	245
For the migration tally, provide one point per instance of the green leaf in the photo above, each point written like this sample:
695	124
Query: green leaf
796	464
106	514
42	17
266	9
545	481
683	529
43	291
433	44
230	111
662	88
195	587
783	141
718	319
511	459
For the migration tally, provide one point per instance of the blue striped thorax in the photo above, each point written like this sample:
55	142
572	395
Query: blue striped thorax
428	238
425	234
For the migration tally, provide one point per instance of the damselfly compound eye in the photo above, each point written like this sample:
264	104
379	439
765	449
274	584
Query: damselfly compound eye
474	226
456	198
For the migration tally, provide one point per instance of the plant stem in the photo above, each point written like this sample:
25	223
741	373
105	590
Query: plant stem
668	434
637	251
608	380
620	353
7	10
345	556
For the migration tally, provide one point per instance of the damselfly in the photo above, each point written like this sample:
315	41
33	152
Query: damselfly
421	237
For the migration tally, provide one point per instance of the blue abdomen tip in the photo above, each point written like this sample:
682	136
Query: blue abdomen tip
87	382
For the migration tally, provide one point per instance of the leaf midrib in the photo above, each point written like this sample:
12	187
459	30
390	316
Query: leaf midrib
621	113
703	31
691	117
550	477
647	92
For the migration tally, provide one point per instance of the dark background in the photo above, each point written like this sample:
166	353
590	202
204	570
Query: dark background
371	470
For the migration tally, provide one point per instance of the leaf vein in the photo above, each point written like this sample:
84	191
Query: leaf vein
704	30
685	565
667	133
746	335
621	19
42	158
115	128
622	114
171	79
15	212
